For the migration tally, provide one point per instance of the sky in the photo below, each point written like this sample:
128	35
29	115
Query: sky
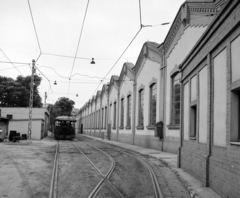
52	32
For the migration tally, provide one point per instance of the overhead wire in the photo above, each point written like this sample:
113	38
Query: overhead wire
65	56
14	67
88	76
140	13
14	62
38	57
141	26
50	87
34	26
78	43
80	82
10	61
72	75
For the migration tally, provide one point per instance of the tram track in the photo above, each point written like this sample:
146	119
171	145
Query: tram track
104	176
53	187
53	193
157	190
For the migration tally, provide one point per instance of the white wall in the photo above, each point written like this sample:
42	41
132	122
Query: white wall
220	99
194	88
22	128
112	98
104	104
186	112
181	50
125	88
235	59
203	104
149	71
23	113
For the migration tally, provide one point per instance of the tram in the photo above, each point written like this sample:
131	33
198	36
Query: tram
64	128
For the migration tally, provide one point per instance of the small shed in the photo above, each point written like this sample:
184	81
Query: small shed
18	121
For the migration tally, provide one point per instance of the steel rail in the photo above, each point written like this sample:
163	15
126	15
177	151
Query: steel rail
109	172
157	189
53	187
104	177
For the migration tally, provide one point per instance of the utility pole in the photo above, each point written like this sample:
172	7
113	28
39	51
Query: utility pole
31	101
45	99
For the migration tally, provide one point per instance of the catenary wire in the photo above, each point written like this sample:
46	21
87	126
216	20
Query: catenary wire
65	56
14	62
119	57
140	15
83	82
50	87
34	26
14	67
72	75
38	57
11	61
80	36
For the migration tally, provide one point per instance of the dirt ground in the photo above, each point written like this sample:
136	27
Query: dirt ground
26	168
76	176
26	171
130	177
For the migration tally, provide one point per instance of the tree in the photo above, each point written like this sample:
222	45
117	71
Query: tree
54	112
16	93
65	105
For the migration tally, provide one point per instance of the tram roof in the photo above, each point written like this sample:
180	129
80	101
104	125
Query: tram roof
66	118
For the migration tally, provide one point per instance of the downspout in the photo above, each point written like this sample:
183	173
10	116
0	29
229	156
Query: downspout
210	110
108	118
95	125
134	108
164	96
118	98
181	123
100	116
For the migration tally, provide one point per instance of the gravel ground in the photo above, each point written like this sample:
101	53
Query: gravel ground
76	176
130	177
100	160
26	169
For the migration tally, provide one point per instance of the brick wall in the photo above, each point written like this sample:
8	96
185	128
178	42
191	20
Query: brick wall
223	169
193	159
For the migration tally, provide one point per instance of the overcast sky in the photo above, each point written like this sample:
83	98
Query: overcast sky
109	27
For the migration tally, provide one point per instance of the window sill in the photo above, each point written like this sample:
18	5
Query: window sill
173	126
150	127
139	127
235	143
121	127
193	138
127	127
113	127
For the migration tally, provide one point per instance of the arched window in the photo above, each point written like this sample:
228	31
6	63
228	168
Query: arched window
122	113
141	108
175	116
129	111
153	103
114	114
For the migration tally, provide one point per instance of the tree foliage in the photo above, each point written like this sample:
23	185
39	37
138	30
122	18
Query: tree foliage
16	93
63	106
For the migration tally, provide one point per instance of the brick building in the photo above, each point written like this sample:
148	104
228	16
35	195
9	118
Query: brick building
210	130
